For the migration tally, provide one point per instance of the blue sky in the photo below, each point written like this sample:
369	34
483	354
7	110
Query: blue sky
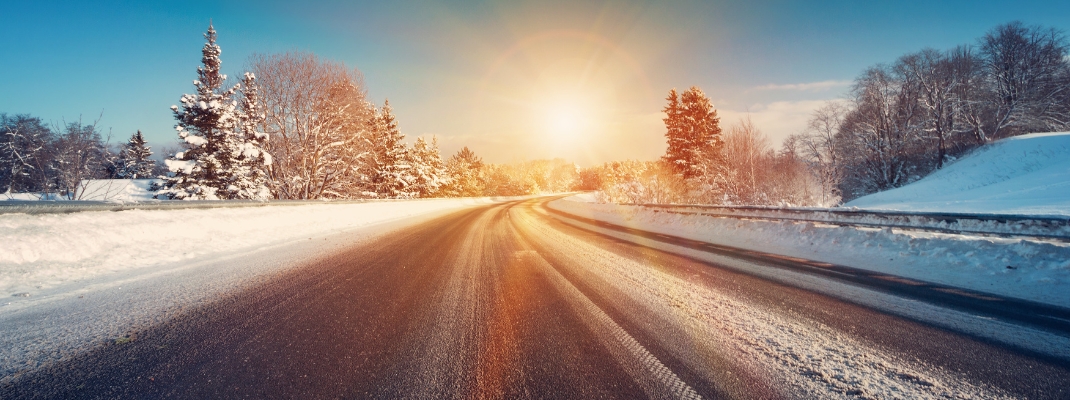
486	74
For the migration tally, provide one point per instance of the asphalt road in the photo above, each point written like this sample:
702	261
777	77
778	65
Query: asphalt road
508	301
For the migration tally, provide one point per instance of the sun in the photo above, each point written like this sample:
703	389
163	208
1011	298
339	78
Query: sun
565	118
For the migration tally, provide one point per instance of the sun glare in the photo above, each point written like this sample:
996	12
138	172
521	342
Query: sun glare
565	117
565	120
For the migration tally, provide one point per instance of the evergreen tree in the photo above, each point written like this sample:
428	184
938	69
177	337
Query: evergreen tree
217	160
133	161
466	178
692	131
428	170
676	153
253	160
391	173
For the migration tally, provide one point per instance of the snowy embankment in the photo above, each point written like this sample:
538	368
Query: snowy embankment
40	253
1027	269
1028	175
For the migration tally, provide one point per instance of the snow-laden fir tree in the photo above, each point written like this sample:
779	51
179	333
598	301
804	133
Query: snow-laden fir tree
223	157
253	161
428	170
692	131
133	161
676	154
391	175
466	177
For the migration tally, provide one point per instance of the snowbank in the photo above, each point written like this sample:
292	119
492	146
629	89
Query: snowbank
1026	269
116	190
110	190
1027	174
37	196
589	197
39	252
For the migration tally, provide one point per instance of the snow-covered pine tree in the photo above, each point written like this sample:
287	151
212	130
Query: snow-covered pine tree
392	175
133	161
466	178
429	173
676	153
253	160
215	163
693	132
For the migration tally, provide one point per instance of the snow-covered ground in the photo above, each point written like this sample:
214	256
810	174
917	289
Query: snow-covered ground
1028	269
116	190
110	190
1027	174
40	253
31	196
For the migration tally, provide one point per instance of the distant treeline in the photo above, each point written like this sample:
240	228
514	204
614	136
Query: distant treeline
37	158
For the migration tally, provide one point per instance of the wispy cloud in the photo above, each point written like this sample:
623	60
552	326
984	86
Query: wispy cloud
809	86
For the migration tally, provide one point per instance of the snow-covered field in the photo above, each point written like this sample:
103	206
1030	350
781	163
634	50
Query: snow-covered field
1027	174
1028	269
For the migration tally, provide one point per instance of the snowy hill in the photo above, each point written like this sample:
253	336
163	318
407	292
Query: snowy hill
1027	174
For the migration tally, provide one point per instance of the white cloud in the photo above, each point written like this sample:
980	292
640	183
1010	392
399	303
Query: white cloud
777	120
807	87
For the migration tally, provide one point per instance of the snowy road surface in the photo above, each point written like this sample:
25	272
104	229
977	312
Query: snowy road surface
511	301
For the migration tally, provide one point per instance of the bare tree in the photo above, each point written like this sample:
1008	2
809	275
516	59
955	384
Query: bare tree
819	147
746	153
25	154
80	154
316	115
880	136
789	181
1027	70
971	107
937	81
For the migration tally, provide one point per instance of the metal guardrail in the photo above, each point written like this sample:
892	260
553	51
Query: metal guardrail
64	207
1001	225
